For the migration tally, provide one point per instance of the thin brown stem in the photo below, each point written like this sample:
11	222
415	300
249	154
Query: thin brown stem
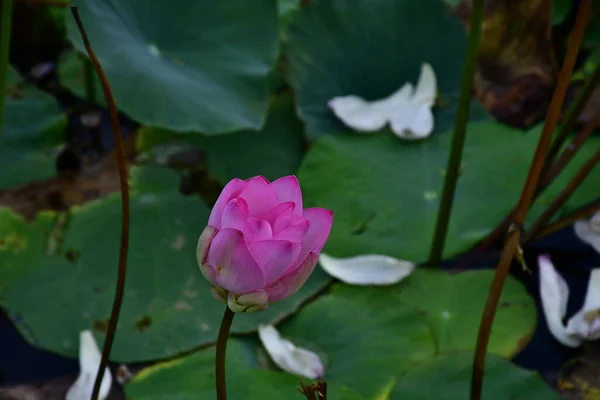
549	175
527	194
570	151
562	198
572	116
122	272
220	381
581	213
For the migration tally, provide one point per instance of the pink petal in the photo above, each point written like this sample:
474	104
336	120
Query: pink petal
287	189
264	231
292	281
275	257
260	230
259	196
284	223
259	177
235	214
235	269
230	191
282	210
295	233
320	220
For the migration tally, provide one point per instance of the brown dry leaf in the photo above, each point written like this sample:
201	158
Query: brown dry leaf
63	191
517	69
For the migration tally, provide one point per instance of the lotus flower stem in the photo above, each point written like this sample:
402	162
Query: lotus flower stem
5	27
221	350
562	198
460	134
122	272
527	196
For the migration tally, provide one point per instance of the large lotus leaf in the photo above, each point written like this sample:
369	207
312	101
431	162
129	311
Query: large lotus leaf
274	151
386	192
373	341
448	377
167	308
186	65
192	377
369	49
20	166
453	305
371	336
32	129
365	336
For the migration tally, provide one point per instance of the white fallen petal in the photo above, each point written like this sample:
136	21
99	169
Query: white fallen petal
585	324
89	362
589	231
554	293
358	113
413	123
372	269
407	111
287	356
426	90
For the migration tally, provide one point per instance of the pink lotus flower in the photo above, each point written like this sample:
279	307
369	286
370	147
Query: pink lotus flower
260	246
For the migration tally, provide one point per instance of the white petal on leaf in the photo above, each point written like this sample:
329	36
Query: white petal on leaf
89	362
287	356
589	231
413	123
555	295
585	324
358	114
426	90
407	111
371	269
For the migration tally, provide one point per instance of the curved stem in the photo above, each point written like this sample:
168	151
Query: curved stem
548	175
581	213
221	349
460	134
527	195
122	272
5	26
572	114
562	198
